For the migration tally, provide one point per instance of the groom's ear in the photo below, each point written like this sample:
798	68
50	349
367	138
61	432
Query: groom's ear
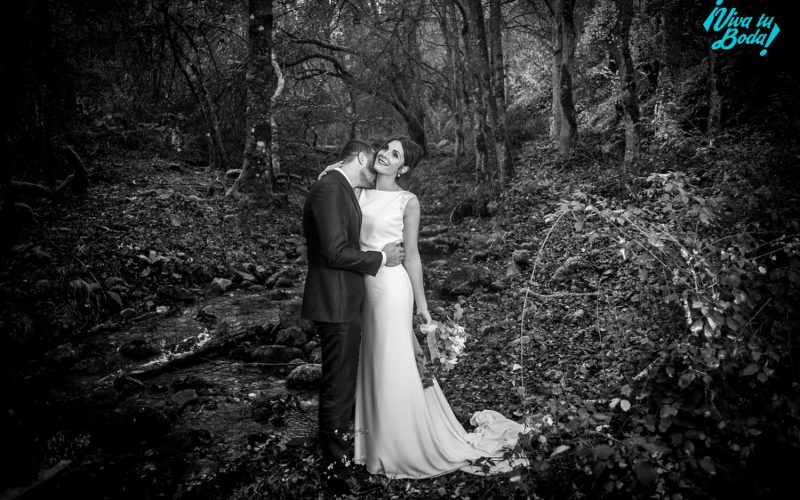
362	158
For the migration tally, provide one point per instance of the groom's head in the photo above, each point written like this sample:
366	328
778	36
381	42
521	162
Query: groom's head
357	158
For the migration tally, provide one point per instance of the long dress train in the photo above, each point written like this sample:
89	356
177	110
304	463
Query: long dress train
401	429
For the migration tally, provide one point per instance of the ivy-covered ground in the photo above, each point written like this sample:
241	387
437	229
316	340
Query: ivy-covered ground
644	328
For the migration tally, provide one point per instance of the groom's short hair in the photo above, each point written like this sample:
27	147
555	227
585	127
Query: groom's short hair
353	148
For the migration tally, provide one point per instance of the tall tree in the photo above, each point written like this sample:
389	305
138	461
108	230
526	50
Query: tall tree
475	83
254	184
565	123
493	130
669	76
453	71
714	97
499	86
626	90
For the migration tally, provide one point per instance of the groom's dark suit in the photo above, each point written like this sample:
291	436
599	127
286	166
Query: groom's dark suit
332	298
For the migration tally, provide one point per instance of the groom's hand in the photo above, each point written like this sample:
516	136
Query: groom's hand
394	254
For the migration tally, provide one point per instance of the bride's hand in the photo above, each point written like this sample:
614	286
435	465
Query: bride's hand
328	169
426	316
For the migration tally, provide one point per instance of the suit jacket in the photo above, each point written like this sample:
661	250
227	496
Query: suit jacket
334	287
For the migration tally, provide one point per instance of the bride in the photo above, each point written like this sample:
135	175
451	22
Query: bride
403	430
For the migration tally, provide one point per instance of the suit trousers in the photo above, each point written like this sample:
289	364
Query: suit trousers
340	345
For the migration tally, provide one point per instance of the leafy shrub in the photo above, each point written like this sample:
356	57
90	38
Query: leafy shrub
706	399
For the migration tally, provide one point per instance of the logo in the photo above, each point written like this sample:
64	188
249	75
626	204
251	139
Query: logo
738	29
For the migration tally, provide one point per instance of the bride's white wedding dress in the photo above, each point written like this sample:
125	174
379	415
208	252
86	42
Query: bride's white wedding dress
401	429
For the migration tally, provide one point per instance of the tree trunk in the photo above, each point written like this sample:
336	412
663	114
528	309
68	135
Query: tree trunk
714	97
666	108
627	87
415	120
568	136
276	157
499	88
353	114
254	185
462	98
558	57
447	23
479	139
45	80
484	97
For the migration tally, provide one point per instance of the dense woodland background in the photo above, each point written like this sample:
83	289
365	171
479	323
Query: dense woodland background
612	202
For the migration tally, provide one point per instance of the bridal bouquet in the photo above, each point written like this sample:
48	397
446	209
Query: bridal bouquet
445	342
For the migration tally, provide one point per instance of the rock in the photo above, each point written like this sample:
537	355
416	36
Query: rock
466	280
230	218
480	240
490	329
284	278
305	376
435	230
114	301
43	285
220	285
128	313
567	269
243	276
191	382
126	383
521	257
233	173
261	273
275	354
512	269
139	349
435	246
492	208
140	423
63	355
175	293
200	470
201	274
311	345
113	281
484	255
291	312
184	397
498	286
316	355
442	144
291	336
427	247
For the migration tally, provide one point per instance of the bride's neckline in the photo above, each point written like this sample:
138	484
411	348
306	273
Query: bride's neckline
386	191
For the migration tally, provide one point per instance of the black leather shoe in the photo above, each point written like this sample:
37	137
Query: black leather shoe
337	486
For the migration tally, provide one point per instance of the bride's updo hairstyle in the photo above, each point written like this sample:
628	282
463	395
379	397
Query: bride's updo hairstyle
412	152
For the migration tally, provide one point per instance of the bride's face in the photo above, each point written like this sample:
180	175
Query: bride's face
367	173
390	159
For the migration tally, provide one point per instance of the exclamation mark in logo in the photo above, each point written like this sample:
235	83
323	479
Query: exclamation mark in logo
772	35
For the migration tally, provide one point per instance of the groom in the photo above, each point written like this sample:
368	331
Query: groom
334	288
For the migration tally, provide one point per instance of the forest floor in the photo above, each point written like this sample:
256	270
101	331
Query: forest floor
173	323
